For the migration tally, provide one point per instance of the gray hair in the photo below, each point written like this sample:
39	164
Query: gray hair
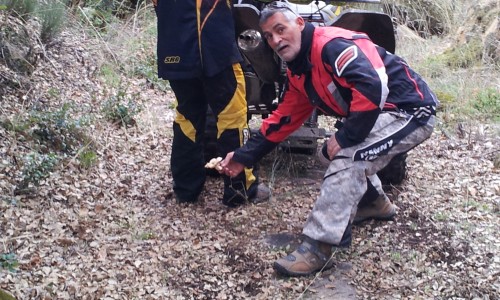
270	10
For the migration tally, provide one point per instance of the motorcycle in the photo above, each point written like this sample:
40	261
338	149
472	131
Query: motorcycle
265	72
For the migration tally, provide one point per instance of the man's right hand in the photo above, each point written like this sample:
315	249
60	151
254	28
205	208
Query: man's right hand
155	2
333	147
230	167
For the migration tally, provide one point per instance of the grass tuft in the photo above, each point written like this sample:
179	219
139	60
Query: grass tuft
87	158
487	103
52	16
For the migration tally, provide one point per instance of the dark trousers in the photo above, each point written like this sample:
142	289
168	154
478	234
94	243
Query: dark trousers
225	94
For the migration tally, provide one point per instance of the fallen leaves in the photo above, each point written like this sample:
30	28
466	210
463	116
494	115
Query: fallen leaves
114	231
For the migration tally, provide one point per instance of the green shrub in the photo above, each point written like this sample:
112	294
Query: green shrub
121	108
118	8
52	16
480	105
58	130
16	125
110	76
21	8
98	19
101	13
53	130
464	55
36	168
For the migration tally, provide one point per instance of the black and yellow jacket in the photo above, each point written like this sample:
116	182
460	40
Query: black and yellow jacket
195	38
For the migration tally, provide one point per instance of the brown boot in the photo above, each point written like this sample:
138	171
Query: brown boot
380	209
310	257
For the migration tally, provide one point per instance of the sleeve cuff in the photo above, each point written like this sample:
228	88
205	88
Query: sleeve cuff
254	150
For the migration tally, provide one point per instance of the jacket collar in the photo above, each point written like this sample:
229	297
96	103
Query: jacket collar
302	64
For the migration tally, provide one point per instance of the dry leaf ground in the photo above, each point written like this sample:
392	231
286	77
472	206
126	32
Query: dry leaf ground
114	231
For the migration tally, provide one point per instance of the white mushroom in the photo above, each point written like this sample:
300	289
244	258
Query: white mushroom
214	164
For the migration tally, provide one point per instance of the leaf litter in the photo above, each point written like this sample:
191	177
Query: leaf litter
114	231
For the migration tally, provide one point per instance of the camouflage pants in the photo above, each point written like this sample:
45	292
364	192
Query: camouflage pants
345	181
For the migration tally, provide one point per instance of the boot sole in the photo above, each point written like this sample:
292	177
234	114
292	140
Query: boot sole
283	271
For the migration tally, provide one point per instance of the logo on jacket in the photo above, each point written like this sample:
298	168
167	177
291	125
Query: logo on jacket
373	152
172	59
246	135
345	58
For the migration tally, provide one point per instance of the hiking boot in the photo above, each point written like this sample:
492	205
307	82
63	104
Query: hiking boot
380	209
263	194
310	257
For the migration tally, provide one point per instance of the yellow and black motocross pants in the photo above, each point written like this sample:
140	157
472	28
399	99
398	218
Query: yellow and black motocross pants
225	94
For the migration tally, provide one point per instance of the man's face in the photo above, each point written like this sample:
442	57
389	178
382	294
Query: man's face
283	35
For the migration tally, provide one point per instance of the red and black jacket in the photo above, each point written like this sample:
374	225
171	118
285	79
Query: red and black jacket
348	77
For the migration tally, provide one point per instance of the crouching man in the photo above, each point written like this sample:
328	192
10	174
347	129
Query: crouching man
386	109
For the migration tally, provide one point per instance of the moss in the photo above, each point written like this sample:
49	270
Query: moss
445	99
5	296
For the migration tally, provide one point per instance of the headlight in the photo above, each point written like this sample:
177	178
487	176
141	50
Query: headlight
249	40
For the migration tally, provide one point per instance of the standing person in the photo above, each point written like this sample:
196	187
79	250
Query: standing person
197	53
386	109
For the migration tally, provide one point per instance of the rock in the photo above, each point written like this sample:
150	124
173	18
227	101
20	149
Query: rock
19	52
18	47
481	28
491	42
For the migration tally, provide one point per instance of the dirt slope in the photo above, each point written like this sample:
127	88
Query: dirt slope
114	232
